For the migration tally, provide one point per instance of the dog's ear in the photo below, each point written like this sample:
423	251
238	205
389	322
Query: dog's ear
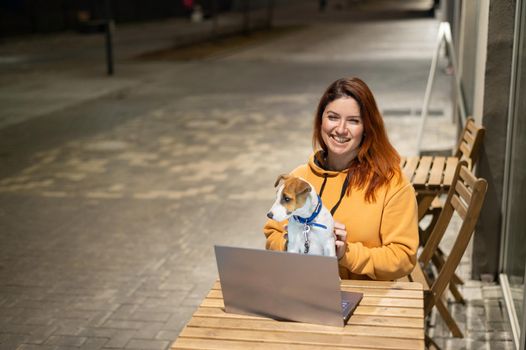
281	177
302	187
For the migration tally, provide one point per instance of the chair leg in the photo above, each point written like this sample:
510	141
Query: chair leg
455	279
450	321
459	298
438	260
424	233
430	344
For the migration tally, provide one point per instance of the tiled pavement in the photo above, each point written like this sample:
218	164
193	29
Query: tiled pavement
110	203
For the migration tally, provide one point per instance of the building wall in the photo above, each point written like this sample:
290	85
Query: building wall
495	100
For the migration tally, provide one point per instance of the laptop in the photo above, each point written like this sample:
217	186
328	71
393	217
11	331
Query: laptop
284	286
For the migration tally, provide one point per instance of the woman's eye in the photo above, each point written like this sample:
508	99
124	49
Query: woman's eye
332	118
354	121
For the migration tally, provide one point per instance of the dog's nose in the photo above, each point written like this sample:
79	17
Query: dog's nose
270	215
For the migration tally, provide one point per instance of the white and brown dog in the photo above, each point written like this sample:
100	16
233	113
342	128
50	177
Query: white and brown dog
310	227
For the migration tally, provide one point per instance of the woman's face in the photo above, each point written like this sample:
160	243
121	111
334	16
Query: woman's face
342	130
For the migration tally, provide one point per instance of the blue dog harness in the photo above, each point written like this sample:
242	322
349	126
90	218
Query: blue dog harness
309	222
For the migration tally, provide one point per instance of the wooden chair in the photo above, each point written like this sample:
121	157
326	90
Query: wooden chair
468	148
465	197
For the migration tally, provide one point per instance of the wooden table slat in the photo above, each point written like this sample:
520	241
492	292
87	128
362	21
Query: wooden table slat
366	301
364	320
409	165
324	340
213	344
412	300
422	172
437	169
370	287
449	172
389	312
267	325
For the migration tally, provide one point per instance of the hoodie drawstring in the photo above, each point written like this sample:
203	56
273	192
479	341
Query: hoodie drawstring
344	189
323	184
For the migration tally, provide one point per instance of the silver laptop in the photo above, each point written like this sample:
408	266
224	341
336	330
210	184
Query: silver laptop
284	286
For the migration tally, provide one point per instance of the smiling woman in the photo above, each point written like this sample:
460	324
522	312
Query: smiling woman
356	172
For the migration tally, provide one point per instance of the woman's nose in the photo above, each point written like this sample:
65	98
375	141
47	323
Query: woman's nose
341	129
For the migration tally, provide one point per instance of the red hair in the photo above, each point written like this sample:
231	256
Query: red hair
377	161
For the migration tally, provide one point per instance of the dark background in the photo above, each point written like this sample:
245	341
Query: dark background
19	17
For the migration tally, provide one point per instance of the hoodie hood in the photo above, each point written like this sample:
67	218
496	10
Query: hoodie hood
317	165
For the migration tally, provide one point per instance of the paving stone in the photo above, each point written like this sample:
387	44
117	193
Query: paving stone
169	335
494	313
179	319
463	344
151	316
40	347
68	329
98	332
124	324
491	335
471	293
40	334
150	331
492	292
10	311
147	344
120	339
94	343
11	341
501	345
30	317
498	326
475	323
100	318
18	328
124	312
65	340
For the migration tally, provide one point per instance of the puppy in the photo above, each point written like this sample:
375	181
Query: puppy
310	227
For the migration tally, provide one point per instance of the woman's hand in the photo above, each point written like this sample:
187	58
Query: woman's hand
340	236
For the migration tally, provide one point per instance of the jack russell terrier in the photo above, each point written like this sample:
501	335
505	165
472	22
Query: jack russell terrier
310	227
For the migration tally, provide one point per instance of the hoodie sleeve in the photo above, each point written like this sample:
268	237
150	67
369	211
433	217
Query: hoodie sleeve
396	257
275	233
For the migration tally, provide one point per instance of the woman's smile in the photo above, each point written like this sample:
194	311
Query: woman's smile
340	139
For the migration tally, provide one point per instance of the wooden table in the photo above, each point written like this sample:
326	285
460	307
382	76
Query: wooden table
430	176
390	316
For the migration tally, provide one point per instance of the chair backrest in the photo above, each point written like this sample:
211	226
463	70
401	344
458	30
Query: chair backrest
470	142
465	197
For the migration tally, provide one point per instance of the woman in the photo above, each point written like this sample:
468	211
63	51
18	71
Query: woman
356	172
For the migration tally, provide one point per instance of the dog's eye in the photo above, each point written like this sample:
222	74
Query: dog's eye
286	199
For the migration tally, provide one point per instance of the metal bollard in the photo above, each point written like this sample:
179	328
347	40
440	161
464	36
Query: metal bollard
109	46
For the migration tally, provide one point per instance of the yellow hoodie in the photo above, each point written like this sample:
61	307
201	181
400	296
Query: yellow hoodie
382	237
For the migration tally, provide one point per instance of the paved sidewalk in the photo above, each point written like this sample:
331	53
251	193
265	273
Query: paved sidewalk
113	191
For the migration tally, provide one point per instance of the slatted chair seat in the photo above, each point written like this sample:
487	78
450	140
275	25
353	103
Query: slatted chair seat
465	197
